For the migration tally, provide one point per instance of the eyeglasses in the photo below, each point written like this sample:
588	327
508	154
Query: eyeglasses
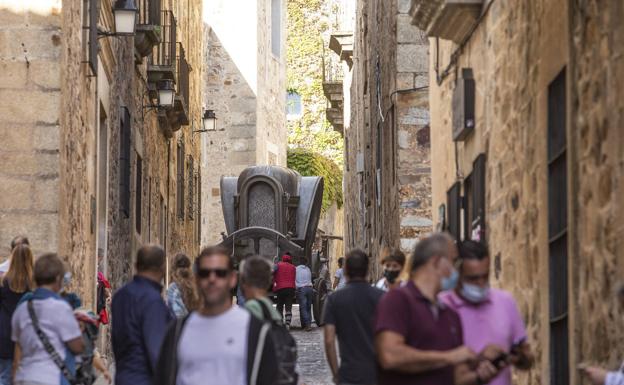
205	273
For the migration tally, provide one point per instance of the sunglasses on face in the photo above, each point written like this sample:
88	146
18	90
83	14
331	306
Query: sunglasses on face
205	273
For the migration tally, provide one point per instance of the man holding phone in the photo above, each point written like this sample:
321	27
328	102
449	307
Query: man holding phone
490	318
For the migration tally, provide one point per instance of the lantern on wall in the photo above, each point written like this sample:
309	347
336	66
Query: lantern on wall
125	13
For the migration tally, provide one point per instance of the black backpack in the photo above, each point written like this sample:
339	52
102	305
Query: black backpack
285	349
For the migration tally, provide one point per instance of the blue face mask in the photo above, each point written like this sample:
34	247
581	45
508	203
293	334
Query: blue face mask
475	294
67	279
449	283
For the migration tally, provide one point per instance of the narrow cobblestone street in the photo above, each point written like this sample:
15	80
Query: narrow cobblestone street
313	368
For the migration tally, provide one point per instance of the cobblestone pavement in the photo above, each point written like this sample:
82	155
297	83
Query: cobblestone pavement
313	368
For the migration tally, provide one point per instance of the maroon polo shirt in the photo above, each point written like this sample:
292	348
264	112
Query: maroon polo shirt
425	326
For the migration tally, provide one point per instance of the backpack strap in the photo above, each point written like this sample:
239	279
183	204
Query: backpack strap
266	313
48	346
255	369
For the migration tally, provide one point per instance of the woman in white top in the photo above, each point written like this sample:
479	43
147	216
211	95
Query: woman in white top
393	264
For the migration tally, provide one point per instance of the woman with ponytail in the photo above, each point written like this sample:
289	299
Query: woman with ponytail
181	295
15	283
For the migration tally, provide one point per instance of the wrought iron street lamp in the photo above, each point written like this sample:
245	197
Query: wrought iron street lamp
209	120
125	17
125	14
166	93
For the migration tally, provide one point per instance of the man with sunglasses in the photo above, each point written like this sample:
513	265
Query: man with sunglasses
219	343
489	317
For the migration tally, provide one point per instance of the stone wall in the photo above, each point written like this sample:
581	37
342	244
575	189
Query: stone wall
387	197
271	136
596	136
62	173
30	89
515	54
249	101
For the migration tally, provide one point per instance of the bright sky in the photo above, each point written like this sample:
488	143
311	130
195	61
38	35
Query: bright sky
235	23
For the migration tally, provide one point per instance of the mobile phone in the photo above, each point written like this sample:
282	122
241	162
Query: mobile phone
501	359
515	348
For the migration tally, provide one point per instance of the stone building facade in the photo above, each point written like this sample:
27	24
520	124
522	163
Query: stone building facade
244	82
537	170
386	130
88	161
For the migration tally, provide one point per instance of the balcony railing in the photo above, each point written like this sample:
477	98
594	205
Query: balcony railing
162	61
149	12
332	68
148	29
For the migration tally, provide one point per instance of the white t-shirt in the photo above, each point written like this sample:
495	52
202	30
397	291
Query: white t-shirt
342	280
4	266
57	321
213	350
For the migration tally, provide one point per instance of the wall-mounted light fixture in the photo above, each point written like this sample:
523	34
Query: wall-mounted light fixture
166	93
163	97
209	122
125	13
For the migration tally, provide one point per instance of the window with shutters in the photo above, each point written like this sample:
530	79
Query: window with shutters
162	221
453	204
558	231
467	208
92	11
124	161
473	202
138	194
191	189
477	209
199	199
180	181
276	27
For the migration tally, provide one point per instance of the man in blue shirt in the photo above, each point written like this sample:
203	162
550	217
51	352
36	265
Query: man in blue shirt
140	318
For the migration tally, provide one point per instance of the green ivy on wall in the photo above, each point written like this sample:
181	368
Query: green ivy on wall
308	20
310	163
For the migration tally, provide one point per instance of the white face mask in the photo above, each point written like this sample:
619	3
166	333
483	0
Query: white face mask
475	294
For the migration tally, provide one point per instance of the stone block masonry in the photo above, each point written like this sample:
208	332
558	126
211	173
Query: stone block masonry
387	176
29	109
245	84
516	53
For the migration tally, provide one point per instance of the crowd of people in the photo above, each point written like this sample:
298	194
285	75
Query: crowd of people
432	319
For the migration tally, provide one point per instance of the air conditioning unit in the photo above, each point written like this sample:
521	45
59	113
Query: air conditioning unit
464	106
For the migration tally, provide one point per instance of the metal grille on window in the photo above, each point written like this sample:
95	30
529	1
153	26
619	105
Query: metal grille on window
191	189
180	181
124	161
477	210
138	193
557	231
198	208
453	197
467	207
94	15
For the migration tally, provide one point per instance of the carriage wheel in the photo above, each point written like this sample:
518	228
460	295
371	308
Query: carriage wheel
320	295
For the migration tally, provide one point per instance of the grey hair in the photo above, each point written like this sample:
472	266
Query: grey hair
257	272
435	245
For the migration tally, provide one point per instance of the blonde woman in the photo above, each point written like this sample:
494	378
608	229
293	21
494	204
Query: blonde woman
181	295
15	283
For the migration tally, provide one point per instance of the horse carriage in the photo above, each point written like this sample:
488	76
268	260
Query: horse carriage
271	210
